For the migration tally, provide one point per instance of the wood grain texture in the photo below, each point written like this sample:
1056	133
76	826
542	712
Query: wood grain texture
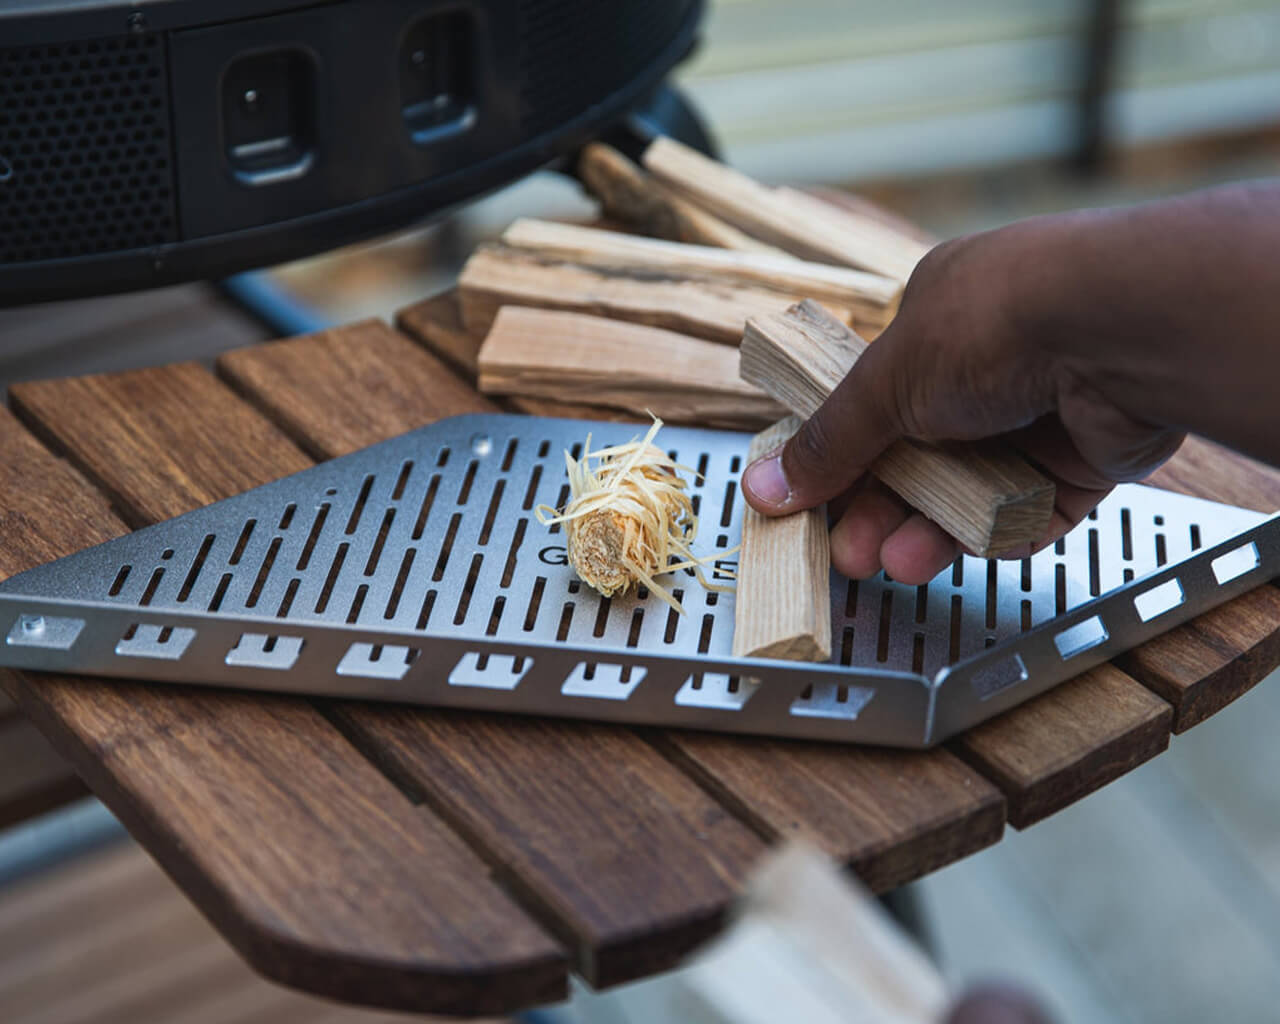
1202	666
897	816
34	778
783	604
872	299
515	775
1068	742
540	353
986	496
436	324
892	815
497	276
199	776
631	196
791	220
328	421
106	938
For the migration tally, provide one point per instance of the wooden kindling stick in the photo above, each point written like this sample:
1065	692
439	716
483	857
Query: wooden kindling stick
632	196
504	275
542	353
783	607
872	298
800	224
984	494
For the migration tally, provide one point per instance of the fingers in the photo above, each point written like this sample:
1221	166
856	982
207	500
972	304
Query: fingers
877	531
1108	439
871	516
834	447
997	1004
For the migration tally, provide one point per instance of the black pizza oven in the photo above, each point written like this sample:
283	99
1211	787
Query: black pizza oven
161	140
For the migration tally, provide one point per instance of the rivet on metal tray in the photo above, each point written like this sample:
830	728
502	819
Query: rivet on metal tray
481	445
32	625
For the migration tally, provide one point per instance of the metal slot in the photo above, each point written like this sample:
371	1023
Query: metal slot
717	690
377	661
832	700
490	671
263	650
602	680
148	641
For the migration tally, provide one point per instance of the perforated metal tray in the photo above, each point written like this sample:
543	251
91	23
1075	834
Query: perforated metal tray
415	571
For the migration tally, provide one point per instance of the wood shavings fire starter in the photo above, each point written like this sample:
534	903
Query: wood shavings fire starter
629	519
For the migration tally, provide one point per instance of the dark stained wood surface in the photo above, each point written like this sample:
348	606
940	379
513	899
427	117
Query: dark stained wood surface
372	898
1204	665
34	778
954	813
627	844
892	815
368	404
1037	758
437	324
677	899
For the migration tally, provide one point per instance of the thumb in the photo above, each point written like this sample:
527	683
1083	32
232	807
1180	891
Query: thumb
835	445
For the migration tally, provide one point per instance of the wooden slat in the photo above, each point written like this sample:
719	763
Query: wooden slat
894	816
436	323
1204	665
34	778
614	802
7	707
349	417
198	776
107	937
1052	754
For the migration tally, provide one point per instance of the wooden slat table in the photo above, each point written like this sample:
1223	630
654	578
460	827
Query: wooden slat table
458	862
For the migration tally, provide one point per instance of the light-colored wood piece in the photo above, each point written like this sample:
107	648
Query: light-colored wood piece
810	944
783	607
539	353
791	220
630	195
497	276
873	299
985	495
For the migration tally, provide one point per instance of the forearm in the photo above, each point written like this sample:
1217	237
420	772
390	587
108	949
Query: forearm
1170	309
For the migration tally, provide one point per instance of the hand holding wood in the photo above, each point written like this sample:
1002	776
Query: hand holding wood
984	495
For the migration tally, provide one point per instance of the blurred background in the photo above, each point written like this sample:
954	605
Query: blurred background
1157	899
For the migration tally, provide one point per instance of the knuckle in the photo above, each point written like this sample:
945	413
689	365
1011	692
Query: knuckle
811	450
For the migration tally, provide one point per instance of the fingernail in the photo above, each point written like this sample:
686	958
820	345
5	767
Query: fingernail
765	479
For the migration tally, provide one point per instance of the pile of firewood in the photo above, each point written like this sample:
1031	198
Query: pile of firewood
558	313
745	303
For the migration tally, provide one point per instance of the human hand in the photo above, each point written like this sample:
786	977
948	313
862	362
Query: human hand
996	1004
972	354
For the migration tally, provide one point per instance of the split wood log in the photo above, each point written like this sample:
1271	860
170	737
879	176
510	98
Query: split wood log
630	195
497	276
985	495
783	607
872	298
793	221
569	357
